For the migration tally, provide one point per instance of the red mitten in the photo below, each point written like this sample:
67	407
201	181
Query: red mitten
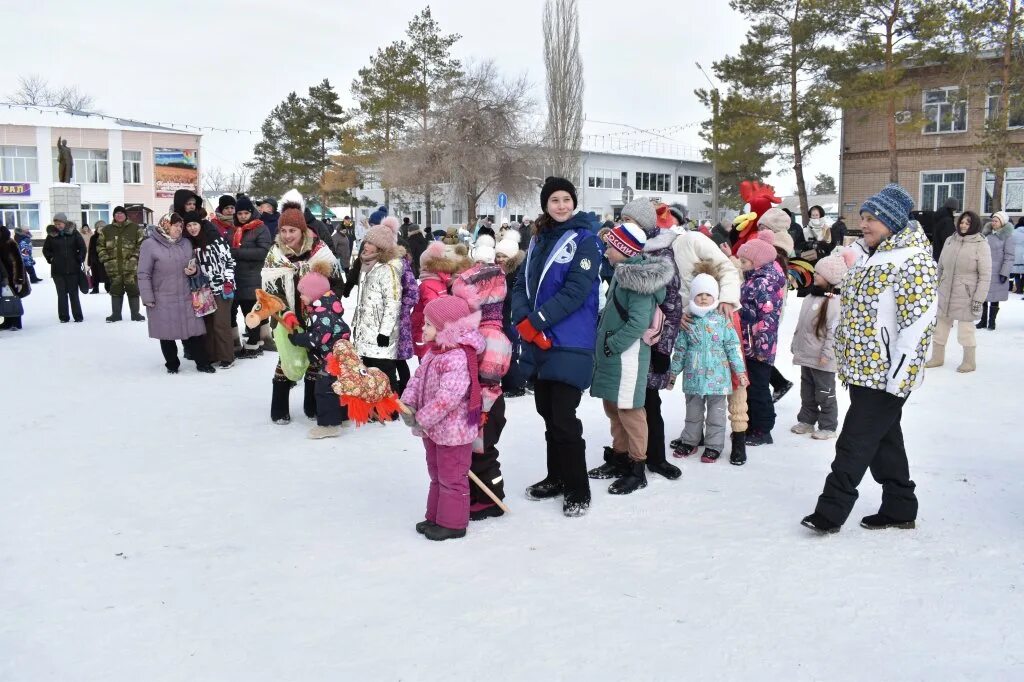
542	341
527	331
290	320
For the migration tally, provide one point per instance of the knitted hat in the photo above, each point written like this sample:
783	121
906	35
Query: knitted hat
775	219
291	211
377	216
62	217
381	237
484	251
507	247
313	285
891	206
191	217
435	252
833	268
784	242
627	239
244	204
552	185
444	310
704	284
1003	216
225	200
642	212
680	212
391	222
761	250
117	209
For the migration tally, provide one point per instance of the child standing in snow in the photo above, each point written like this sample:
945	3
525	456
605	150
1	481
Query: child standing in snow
707	354
324	326
445	406
437	266
813	349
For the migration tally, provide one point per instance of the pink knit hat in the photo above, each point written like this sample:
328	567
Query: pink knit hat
381	237
445	310
833	268
761	250
391	222
313	285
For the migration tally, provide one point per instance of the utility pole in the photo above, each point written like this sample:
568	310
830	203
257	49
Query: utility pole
714	144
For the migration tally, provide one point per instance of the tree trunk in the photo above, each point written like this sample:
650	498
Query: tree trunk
426	201
794	126
470	205
999	172
890	123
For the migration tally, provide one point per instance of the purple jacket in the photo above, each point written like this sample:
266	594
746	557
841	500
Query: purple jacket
410	297
439	391
761	299
162	282
660	246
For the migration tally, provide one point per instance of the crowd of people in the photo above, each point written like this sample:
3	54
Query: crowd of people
493	313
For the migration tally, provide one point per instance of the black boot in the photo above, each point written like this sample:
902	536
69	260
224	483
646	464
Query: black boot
819	524
116	303
992	312
440	533
575	505
544	490
739	449
984	317
631	482
133	306
616	465
279	409
669	471
882	522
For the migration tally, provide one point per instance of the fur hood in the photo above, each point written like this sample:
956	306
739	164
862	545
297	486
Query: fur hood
462	332
69	229
645	275
512	264
663	240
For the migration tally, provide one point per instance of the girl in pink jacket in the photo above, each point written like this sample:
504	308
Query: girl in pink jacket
436	269
445	404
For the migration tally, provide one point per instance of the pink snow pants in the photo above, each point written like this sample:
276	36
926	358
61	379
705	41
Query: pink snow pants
448	499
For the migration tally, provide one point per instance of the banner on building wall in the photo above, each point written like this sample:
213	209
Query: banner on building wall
15	189
175	169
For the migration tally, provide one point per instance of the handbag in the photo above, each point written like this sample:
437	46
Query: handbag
11	306
83	281
203	301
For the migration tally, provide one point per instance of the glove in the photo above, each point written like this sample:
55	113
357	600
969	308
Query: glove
976	307
229	289
529	333
290	321
410	418
383	341
1002	279
660	362
299	339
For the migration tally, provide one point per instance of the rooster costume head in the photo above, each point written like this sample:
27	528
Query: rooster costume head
760	198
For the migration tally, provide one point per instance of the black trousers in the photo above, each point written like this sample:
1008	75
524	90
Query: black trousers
871	439
514	379
760	408
329	411
777	381
195	347
402	369
67	291
566	450
655	427
485	464
389	367
252	336
279	400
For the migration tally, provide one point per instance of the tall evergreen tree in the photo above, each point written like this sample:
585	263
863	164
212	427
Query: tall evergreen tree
284	157
742	139
327	121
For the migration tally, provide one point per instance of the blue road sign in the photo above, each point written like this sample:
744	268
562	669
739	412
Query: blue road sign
502	200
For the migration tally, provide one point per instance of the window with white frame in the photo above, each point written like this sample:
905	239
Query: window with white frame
20	215
995	90
132	168
90	166
1013	190
417	217
19	164
602	178
435	216
654	182
937	186
693	184
515	218
945	110
458	216
93	212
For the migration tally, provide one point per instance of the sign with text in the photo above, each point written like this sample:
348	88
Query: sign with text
15	189
175	169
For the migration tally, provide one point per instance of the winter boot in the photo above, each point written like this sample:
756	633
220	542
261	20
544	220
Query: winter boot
819	524
544	490
676	443
279	408
491	511
133	306
422	526
573	506
319	432
710	456
983	323
822	434
778	394
436	532
968	365
938	358
116	303
756	438
802	429
881	522
684	450
632	481
739	449
993	310
616	464
669	471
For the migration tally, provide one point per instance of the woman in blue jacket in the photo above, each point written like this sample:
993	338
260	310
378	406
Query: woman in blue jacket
555	309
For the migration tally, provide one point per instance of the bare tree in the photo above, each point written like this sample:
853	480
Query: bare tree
564	67
34	89
218	181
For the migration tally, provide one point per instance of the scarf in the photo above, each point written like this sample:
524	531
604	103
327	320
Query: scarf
168	237
475	403
240	230
701	310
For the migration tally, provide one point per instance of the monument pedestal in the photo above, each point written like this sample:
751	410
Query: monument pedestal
65	198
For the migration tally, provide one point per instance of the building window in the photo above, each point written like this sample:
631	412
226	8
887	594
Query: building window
20	215
435	216
370	181
693	184
93	212
518	218
992	105
90	166
946	110
937	186
19	164
417	217
132	168
654	182
458	216
1013	190
602	178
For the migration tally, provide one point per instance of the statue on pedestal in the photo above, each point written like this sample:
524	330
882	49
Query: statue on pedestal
64	161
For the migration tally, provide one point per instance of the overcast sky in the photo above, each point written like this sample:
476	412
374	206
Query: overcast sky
227	63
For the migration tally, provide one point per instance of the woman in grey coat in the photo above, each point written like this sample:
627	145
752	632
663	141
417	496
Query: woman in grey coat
1000	243
165	264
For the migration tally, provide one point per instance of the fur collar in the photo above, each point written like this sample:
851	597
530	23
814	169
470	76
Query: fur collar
464	331
511	265
645	274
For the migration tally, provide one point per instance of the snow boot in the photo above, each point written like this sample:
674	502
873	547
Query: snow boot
756	438
206	369
738	456
710	456
669	471
544	490
422	526
968	365
819	524
439	533
983	323
938	358
684	450
320	432
573	506
881	522
993	310
116	303
778	394
823	435
616	464
802	429
491	511
634	480
133	306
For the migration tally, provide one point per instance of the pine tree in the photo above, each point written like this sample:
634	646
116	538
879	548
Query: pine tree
326	120
283	158
741	139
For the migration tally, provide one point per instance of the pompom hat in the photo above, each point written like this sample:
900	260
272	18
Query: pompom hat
833	268
292	204
313	285
761	250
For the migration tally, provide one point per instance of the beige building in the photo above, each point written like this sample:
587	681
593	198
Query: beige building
937	142
116	163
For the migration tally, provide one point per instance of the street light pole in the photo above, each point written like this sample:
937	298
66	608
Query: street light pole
714	144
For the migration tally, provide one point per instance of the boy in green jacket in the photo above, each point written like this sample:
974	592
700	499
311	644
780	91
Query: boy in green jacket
625	335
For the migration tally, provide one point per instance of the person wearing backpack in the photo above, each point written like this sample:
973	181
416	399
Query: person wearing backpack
625	332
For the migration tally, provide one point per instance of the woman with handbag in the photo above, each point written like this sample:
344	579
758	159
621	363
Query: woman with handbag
14	282
165	265
217	266
64	250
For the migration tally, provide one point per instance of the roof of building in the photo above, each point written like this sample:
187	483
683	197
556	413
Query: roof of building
58	117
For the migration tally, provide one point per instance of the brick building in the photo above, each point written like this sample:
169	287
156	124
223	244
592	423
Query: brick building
937	142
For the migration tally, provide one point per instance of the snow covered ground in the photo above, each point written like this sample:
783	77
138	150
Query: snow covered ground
157	527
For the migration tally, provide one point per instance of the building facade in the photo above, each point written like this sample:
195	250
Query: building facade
939	149
116	163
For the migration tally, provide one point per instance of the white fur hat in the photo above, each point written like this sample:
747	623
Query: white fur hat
483	251
507	247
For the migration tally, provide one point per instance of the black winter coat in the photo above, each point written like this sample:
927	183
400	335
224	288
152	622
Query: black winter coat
417	245
249	259
944	228
799	241
64	250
